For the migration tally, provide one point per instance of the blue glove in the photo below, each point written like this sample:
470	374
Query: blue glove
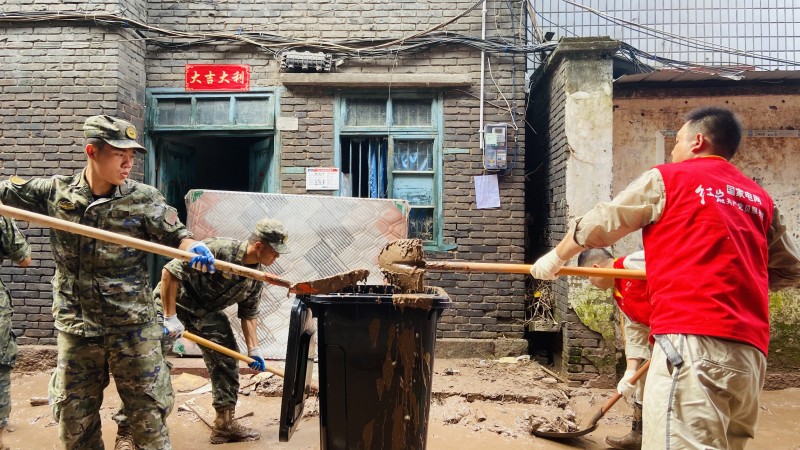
258	364
204	260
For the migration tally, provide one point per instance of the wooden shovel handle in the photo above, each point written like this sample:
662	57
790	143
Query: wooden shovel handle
226	351
639	373
140	244
451	266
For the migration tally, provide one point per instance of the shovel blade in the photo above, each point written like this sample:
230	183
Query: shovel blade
330	284
564	434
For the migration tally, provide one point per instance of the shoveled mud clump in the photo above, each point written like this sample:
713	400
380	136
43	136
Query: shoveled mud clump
561	424
331	284
416	301
402	264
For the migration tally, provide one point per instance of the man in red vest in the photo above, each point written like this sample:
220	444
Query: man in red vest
715	245
634	305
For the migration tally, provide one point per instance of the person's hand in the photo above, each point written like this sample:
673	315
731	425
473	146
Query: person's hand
258	364
204	261
546	267
173	326
625	387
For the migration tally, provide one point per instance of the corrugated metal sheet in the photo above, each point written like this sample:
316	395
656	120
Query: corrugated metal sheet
673	76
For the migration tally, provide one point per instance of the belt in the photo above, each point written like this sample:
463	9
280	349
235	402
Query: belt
672	354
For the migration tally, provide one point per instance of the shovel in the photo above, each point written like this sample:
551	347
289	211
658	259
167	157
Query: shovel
234	354
402	263
228	352
599	415
320	286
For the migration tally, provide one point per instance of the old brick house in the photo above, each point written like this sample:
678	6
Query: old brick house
407	78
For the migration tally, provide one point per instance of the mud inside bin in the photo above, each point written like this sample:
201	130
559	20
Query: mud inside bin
376	354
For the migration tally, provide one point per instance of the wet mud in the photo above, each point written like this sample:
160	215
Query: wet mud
402	264
468	411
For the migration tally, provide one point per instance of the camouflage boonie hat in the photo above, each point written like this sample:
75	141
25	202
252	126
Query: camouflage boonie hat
117	132
274	233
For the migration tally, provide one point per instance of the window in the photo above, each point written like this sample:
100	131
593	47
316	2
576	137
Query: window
390	147
211	111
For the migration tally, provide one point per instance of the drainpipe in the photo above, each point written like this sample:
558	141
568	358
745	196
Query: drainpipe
483	68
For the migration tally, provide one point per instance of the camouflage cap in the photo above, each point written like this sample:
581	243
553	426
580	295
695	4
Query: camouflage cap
274	233
116	132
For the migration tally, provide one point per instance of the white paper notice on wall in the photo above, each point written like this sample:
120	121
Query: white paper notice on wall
487	192
322	178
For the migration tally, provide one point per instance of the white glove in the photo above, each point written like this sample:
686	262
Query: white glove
174	326
624	387
546	267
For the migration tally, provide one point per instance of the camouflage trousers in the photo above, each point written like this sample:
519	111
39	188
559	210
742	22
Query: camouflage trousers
8	355
224	370
5	394
141	377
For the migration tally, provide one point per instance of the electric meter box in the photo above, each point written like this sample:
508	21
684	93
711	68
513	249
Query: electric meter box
495	146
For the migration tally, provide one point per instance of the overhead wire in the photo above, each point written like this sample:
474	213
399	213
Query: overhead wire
683	40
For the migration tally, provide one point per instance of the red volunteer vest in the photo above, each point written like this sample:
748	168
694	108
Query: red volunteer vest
631	296
707	254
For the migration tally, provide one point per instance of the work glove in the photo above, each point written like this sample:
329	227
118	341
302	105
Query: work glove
258	364
624	387
204	261
546	267
173	326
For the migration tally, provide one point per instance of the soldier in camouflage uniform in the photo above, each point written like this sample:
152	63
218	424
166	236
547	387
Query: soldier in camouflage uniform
102	303
14	247
200	301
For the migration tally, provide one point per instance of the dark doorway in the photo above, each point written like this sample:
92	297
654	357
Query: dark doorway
214	161
226	163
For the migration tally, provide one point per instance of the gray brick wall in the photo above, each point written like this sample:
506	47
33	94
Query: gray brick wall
52	76
487	305
55	74
548	193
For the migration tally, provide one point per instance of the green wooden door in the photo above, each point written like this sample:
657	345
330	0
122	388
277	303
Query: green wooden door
176	169
260	165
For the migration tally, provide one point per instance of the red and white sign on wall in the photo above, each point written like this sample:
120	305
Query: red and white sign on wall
217	77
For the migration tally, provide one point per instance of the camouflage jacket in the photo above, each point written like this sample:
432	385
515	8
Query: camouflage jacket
200	293
14	247
99	287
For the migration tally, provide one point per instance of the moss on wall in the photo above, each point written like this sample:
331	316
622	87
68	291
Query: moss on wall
595	308
784	343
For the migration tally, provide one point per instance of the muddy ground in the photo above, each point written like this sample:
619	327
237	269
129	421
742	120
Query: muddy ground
476	405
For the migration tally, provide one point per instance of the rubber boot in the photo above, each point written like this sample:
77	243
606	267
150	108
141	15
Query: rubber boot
632	440
227	429
124	439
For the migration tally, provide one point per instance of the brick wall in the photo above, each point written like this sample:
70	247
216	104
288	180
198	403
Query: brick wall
548	205
52	76
42	139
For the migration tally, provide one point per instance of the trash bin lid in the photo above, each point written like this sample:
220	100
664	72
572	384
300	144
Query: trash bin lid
300	353
434	297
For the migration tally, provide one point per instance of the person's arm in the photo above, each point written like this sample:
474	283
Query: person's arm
30	195
249	330
169	294
13	243
640	204
784	258
251	340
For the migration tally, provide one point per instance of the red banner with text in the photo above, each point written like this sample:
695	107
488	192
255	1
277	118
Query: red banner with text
217	77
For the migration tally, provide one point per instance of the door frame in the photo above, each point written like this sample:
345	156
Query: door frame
151	134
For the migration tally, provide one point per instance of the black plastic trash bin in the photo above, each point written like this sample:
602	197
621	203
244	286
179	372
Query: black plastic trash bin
376	352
